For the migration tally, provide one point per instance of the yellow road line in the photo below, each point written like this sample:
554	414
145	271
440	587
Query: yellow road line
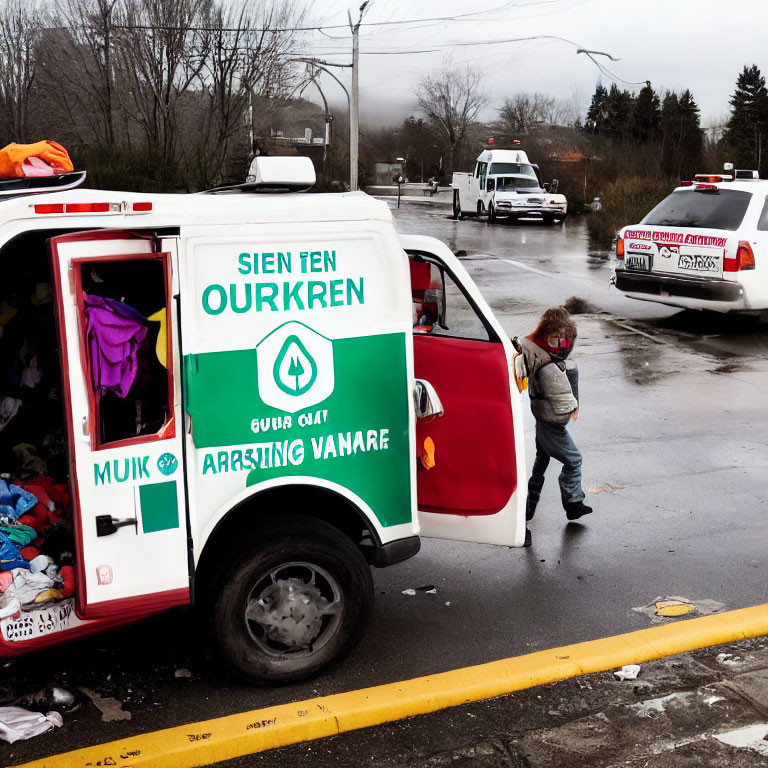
224	738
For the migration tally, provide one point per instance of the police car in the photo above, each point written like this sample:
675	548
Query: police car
705	246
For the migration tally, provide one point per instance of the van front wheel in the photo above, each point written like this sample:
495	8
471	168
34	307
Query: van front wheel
294	604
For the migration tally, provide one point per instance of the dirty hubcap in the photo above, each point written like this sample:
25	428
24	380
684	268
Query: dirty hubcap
293	609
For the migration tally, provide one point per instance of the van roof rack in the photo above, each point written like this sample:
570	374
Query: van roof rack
41	184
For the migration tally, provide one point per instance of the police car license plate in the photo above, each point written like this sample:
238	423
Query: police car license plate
699	262
639	262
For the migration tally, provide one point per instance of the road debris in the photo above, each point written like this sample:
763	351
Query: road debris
51	697
429	589
627	672
111	709
671	607
17	723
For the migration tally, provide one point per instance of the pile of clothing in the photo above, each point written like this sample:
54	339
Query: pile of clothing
36	544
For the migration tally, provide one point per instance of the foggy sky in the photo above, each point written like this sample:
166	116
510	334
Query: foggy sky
697	44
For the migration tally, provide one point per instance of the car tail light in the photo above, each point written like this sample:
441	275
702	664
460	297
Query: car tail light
744	259
620	248
706	188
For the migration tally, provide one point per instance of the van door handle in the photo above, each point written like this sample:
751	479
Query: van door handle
106	525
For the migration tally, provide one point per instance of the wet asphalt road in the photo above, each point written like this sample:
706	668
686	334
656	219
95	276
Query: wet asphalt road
674	432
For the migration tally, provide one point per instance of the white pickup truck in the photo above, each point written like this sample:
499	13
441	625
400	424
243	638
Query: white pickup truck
506	184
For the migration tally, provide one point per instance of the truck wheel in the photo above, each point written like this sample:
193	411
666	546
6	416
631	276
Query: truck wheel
293	603
491	212
549	220
480	208
457	206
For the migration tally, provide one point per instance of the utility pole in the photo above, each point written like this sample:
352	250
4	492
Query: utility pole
354	115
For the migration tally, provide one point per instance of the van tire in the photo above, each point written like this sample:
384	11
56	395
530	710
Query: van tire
491	213
330	588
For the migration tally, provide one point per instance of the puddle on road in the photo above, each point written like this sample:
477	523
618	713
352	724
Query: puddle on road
642	359
754	737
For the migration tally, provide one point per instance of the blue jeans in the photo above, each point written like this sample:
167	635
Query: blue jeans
553	441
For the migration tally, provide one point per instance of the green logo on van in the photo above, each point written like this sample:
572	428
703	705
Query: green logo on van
298	376
167	464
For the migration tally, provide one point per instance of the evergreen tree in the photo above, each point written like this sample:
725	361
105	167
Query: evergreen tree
745	140
598	109
691	137
681	136
618	112
646	114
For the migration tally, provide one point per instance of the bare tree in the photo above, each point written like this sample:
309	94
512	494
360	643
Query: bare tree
451	100
18	36
245	59
161	50
79	42
523	113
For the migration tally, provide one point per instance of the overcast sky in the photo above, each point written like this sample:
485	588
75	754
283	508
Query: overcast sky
697	44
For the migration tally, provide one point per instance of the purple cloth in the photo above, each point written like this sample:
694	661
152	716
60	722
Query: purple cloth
115	332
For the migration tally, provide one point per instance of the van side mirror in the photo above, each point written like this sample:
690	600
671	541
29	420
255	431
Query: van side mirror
554	185
426	401
546	186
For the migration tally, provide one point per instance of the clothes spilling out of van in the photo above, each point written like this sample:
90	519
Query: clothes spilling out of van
126	360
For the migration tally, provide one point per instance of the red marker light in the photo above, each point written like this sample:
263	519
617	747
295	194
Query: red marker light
686	183
88	207
491	142
142	207
49	208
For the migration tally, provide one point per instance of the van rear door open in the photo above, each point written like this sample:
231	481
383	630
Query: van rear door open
473	492
117	321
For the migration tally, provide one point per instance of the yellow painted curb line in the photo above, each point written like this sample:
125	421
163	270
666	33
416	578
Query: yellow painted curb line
224	738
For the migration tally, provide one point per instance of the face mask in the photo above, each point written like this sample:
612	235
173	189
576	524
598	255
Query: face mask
557	344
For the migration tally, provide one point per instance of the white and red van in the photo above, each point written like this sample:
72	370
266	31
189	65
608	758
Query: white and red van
279	427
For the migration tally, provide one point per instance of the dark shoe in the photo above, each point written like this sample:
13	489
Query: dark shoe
530	508
576	509
528	541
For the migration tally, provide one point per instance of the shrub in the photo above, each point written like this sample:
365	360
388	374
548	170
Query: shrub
625	201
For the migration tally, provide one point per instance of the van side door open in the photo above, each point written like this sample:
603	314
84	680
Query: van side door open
117	321
473	492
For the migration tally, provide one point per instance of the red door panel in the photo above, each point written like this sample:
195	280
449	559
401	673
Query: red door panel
475	470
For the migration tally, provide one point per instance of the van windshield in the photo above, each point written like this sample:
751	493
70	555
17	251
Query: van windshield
512	182
519	169
723	209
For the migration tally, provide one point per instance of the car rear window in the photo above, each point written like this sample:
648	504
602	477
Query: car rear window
723	209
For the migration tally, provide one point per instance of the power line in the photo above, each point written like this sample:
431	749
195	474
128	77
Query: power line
318	28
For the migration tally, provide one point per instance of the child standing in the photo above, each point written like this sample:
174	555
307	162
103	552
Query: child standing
554	403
